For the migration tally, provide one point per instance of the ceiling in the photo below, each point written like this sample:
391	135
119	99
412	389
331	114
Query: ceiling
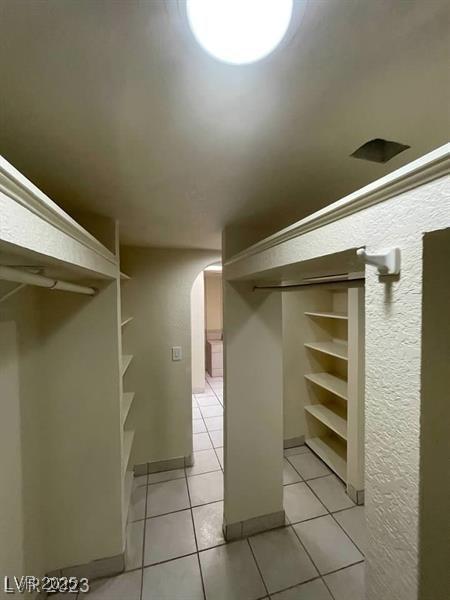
112	107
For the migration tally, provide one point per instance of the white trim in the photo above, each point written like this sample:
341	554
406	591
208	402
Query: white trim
431	166
17	187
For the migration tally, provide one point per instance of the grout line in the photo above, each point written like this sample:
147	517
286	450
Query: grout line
195	534
352	541
169	560
257	566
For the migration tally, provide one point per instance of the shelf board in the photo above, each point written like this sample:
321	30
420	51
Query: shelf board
124	277
127	491
327	315
329	418
333	348
125	321
126	359
327	381
127	399
333	453
128	436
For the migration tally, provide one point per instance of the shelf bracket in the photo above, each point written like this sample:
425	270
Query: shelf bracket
386	261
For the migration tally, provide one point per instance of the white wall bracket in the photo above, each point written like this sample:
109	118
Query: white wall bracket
387	261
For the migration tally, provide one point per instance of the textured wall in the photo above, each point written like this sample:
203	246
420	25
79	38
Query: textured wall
158	297
393	369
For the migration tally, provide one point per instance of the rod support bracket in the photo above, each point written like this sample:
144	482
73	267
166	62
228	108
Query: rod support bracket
386	261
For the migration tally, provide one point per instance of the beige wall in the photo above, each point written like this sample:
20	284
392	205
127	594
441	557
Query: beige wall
198	334
21	525
253	419
158	297
213	301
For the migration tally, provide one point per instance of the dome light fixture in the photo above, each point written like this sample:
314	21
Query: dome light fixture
239	31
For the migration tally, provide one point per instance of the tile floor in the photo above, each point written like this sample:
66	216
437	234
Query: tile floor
175	546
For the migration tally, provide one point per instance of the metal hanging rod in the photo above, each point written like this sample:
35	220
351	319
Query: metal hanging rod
327	280
27	278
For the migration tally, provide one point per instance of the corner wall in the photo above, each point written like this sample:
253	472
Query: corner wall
158	297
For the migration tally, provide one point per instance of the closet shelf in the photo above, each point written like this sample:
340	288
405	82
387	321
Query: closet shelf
128	436
327	381
127	399
124	277
126	359
127	490
332	452
329	418
333	348
125	321
328	315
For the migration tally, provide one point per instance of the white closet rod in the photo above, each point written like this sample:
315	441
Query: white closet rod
19	276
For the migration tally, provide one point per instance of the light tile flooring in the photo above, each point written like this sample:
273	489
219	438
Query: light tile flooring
176	550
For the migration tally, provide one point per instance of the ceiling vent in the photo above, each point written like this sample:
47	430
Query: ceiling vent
379	150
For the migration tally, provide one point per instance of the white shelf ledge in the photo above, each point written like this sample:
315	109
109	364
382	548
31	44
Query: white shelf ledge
128	437
127	491
127	399
124	277
125	321
328	315
126	359
333	348
332	452
329	418
327	381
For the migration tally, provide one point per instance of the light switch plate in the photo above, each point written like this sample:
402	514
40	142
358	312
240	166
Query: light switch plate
176	353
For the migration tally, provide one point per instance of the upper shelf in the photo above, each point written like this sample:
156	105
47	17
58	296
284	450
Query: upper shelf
327	315
125	321
333	348
34	225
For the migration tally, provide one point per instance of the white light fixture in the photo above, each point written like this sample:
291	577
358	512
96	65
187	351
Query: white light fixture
239	31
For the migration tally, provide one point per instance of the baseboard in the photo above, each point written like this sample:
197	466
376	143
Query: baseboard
198	390
169	464
295	441
356	495
103	567
243	529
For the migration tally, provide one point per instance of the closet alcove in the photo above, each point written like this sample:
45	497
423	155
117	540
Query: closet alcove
65	447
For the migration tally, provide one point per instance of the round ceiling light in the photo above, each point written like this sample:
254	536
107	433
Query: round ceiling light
239	31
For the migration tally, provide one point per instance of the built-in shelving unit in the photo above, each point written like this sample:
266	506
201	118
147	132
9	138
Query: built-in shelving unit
127	432
126	360
330	418
328	315
128	436
332	383
333	403
335	348
332	452
127	399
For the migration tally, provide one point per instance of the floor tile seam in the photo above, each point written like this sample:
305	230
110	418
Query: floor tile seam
258	567
213	447
292	587
317	496
195	536
348	535
306	550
